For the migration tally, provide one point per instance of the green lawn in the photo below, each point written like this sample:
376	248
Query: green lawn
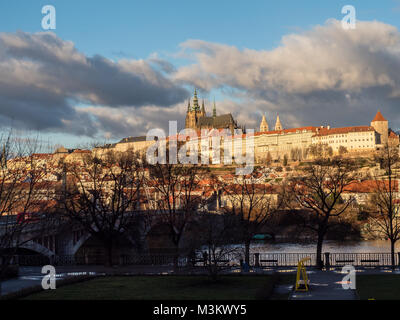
379	287
163	287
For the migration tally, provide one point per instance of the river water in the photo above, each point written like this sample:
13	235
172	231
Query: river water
369	246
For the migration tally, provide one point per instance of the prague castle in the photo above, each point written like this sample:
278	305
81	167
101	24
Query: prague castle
278	142
197	119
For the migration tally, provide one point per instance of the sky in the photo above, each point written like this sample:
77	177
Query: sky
113	69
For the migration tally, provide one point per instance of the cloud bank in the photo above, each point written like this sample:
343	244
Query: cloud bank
44	78
326	75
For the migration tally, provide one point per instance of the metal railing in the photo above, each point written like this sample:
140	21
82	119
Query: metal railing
261	260
282	259
361	259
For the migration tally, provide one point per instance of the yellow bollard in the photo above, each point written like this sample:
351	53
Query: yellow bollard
302	281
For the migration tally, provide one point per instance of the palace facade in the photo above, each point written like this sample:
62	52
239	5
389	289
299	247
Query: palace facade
296	142
292	143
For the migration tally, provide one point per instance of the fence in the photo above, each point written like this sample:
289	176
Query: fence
361	259
256	259
282	259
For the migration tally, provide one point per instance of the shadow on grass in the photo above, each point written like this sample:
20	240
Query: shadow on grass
378	287
243	287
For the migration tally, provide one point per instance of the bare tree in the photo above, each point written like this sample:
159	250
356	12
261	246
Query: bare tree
319	193
22	193
254	203
216	234
384	201
102	196
177	196
320	150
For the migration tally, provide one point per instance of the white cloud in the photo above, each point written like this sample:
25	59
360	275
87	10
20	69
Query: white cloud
310	73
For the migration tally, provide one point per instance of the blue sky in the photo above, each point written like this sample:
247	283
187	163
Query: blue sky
139	29
136	29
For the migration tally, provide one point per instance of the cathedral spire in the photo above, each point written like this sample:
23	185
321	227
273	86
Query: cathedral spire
214	110
203	109
278	125
195	101
188	110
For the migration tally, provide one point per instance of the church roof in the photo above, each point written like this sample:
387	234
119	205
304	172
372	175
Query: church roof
379	117
222	121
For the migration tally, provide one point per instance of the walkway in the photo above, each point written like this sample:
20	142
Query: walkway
324	285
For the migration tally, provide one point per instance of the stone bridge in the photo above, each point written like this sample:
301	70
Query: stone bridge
72	241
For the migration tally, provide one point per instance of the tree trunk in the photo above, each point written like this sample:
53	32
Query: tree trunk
320	263
108	261
176	257
247	252
392	253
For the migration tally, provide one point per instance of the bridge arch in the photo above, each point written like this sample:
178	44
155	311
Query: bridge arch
36	247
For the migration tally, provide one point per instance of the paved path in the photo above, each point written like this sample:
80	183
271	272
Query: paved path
324	285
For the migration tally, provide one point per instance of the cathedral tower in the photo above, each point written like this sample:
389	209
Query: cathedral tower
197	119
194	113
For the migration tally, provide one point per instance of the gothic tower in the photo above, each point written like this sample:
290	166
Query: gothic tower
380	124
278	125
264	125
214	110
194	113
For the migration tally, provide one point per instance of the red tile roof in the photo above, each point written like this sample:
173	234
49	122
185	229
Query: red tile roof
292	130
379	117
368	186
393	135
326	131
81	151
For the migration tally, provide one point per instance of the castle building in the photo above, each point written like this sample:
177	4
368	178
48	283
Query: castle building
196	117
294	142
277	143
353	139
